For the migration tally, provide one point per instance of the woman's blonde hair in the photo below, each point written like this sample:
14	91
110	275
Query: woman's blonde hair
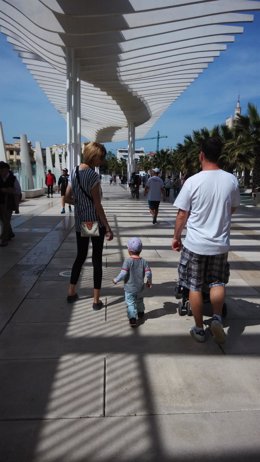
92	151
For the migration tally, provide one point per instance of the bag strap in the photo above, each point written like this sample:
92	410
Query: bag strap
83	190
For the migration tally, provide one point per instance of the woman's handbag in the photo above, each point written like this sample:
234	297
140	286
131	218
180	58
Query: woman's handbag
87	228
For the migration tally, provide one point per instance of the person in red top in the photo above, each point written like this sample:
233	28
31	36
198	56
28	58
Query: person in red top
50	181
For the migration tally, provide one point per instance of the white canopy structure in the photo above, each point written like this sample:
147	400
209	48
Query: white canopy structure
113	67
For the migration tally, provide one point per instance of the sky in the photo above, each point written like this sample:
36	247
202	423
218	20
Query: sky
210	99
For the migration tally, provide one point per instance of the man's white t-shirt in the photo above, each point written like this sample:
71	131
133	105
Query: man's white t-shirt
155	184
208	196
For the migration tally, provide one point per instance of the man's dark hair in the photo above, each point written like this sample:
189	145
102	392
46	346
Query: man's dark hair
212	148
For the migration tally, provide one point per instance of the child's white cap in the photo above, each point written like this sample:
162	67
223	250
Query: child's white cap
135	245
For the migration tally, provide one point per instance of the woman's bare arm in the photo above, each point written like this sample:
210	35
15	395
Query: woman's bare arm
69	199
96	195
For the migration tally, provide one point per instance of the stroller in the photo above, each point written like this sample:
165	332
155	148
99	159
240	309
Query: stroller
182	294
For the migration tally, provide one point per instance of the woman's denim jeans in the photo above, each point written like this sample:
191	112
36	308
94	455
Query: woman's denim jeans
135	304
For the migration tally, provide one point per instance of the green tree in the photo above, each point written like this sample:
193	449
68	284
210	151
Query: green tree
144	163
163	159
247	129
111	164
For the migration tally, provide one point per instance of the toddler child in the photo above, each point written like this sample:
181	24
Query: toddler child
133	272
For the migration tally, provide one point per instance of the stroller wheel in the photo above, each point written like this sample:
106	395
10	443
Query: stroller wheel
182	308
224	310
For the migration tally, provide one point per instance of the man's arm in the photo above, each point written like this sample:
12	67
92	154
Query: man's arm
180	223
69	199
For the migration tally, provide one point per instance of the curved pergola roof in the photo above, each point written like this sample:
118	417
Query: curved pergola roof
135	57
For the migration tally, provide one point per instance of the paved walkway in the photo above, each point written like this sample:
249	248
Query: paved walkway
82	386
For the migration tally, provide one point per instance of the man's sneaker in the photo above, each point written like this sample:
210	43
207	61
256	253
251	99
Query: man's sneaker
198	334
132	322
62	210
217	331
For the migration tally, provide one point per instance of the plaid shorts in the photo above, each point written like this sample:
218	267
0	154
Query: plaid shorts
196	271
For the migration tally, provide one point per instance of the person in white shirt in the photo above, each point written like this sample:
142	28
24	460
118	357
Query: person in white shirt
206	203
155	189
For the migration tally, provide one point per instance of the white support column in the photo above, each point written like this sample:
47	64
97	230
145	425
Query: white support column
63	157
73	111
26	167
2	145
57	168
131	150
49	163
40	175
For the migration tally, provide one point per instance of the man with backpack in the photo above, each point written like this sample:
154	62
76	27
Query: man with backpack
62	186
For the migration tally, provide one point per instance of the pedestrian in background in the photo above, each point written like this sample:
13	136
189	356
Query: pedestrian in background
62	186
10	189
168	186
176	186
154	189
50	181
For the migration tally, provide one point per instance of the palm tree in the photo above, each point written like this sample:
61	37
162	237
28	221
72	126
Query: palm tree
122	164
235	156
164	160
242	146
248	129
144	163
112	165
188	153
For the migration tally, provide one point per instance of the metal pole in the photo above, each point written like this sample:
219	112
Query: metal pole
73	110
131	150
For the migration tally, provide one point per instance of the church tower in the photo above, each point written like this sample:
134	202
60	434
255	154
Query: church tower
231	120
238	108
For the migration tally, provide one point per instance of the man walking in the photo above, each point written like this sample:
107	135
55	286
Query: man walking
206	203
154	188
50	181
62	186
9	191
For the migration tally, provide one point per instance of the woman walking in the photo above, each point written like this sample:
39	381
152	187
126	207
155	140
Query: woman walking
84	192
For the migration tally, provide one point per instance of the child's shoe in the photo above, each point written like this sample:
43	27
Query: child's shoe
141	315
132	322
